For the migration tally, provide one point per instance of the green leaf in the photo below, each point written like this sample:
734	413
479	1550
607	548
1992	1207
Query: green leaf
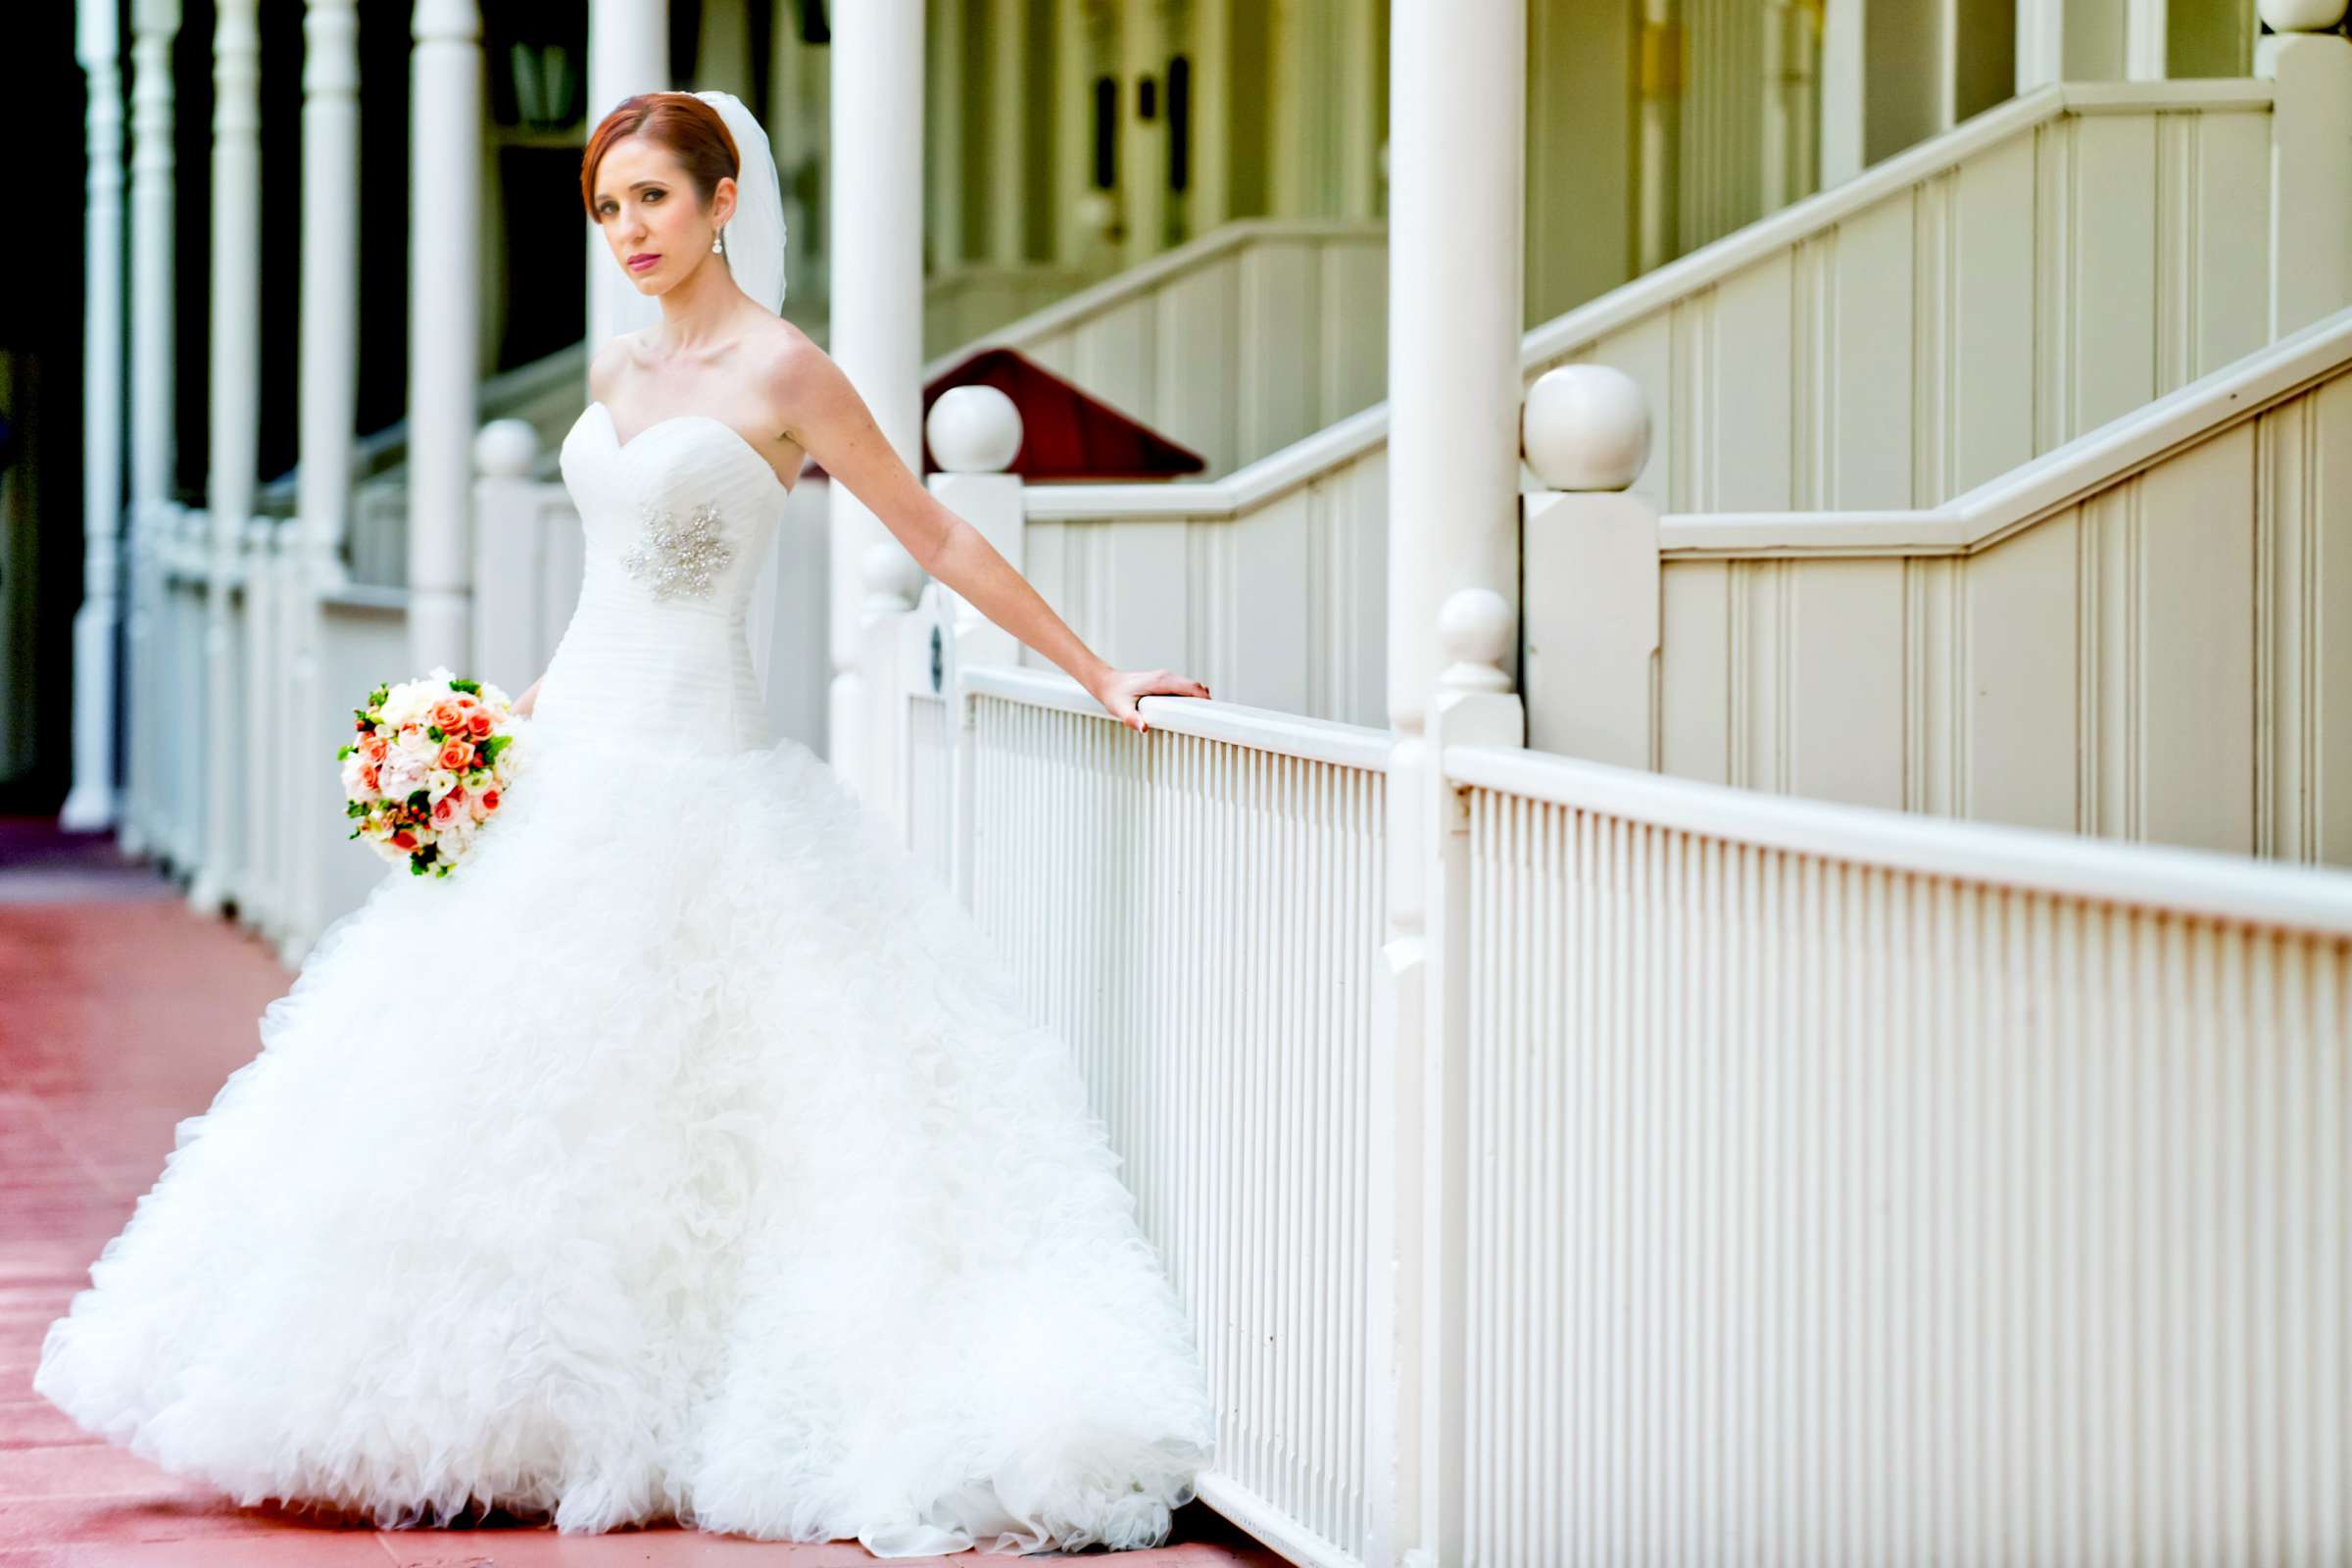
420	800
495	745
473	686
343	752
432	732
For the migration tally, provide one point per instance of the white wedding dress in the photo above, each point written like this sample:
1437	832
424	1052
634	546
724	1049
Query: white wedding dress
685	1152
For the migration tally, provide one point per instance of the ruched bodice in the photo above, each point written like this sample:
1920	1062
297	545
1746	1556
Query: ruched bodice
677	521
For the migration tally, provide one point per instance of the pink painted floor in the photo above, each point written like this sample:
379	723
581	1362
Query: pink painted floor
121	1011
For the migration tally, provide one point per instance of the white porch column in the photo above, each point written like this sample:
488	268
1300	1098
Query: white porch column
1009	88
327	373
877	333
1456	216
2041	44
629	53
1843	115
1454	276
154	22
2146	36
90	803
1083	214
329	367
944	132
1142	144
235	392
445	159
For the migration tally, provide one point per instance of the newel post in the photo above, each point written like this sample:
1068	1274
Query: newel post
1590	548
2311	160
1472	705
976	434
506	565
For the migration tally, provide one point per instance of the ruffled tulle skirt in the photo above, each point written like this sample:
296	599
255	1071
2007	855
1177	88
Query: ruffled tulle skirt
686	1154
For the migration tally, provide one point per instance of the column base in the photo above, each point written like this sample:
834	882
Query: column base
89	808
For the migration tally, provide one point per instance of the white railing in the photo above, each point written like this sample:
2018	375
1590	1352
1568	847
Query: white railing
1198	911
1948	315
1718	1172
2126	637
1236	344
1836	1186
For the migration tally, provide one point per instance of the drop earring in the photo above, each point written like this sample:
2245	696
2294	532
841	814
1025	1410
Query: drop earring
714	246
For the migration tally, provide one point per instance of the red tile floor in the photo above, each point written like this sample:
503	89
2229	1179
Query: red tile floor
121	1011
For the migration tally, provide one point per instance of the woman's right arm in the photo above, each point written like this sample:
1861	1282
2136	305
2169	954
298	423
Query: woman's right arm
529	698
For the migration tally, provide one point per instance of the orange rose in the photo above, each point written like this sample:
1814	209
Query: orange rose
449	717
404	839
457	755
478	725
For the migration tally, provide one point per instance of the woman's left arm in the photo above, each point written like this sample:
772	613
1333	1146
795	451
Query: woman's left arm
833	425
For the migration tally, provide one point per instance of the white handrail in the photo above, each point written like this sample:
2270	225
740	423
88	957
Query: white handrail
2002	505
1266	729
1144	277
2190	882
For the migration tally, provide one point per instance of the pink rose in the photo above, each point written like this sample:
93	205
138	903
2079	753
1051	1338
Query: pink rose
404	839
489	800
446	806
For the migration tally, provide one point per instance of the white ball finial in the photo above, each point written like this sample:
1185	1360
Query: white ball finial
505	449
2301	16
890	575
973	429
1585	427
1474	628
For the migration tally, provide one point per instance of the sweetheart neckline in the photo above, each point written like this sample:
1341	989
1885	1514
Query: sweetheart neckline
740	443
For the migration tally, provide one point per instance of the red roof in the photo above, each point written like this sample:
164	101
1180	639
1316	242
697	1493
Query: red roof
1065	433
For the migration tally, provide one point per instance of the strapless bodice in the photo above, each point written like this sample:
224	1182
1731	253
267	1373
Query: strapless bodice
677	521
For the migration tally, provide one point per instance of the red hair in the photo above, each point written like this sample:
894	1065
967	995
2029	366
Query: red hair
679	120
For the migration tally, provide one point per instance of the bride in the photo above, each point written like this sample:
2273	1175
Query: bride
687	1155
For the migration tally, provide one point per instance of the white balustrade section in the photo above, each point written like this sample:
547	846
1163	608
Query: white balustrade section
1852	1187
2126	637
1948	315
1198	909
1236	344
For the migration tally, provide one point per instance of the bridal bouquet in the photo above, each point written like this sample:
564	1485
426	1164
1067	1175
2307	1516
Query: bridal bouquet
428	768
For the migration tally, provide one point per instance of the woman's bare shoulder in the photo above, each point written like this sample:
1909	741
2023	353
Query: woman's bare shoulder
607	364
777	345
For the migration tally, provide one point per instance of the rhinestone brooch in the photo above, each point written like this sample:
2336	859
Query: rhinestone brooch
678	556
